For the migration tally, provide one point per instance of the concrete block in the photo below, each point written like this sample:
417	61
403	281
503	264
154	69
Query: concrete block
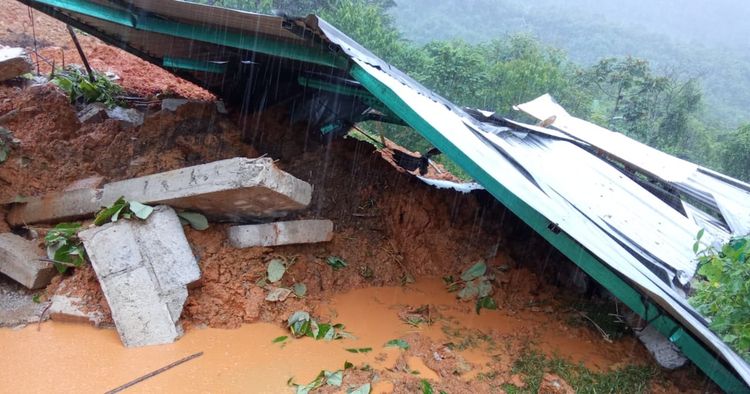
13	63
144	269
666	354
68	309
93	182
171	104
128	116
56	207
281	233
232	189
19	259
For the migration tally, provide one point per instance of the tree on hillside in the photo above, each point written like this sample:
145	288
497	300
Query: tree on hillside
735	153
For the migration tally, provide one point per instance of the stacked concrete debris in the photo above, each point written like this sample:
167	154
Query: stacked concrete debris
144	267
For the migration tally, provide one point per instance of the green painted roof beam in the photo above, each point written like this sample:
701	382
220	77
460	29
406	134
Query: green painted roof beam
693	349
194	65
252	42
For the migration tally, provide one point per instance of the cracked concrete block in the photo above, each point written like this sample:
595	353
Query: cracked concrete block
19	259
13	63
232	189
666	354
281	233
56	207
144	269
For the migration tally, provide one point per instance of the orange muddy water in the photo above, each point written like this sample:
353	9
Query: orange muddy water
64	357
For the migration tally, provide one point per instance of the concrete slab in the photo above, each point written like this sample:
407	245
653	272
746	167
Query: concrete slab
69	309
233	189
56	207
13	63
144	269
281	233
19	260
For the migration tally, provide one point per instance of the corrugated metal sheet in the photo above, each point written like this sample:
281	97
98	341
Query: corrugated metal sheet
728	196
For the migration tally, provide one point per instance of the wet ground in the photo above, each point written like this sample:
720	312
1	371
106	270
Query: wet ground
448	345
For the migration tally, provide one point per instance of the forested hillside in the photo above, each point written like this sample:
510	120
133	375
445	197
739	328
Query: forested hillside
709	41
690	100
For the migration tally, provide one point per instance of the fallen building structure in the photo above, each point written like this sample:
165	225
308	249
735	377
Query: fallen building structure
633	237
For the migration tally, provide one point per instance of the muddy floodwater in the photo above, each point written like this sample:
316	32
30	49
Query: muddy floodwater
66	357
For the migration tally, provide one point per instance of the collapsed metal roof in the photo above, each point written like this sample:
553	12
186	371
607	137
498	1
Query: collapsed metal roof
633	237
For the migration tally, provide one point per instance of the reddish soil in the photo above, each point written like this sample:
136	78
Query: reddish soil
389	227
20	25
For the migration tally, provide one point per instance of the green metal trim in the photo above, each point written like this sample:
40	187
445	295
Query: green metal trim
193	65
693	349
215	36
337	89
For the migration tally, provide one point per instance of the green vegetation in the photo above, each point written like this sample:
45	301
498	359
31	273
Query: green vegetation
474	283
533	365
659	101
123	209
399	343
302	325
64	247
196	220
324	378
336	262
82	90
723	295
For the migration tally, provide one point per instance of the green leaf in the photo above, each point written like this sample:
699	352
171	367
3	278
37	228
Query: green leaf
359	350
486	303
335	378
195	219
469	291
336	262
110	213
299	323
141	211
700	234
278	294
36	298
348	365
363	389
300	289
426	386
400	343
475	271
276	270
280	339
